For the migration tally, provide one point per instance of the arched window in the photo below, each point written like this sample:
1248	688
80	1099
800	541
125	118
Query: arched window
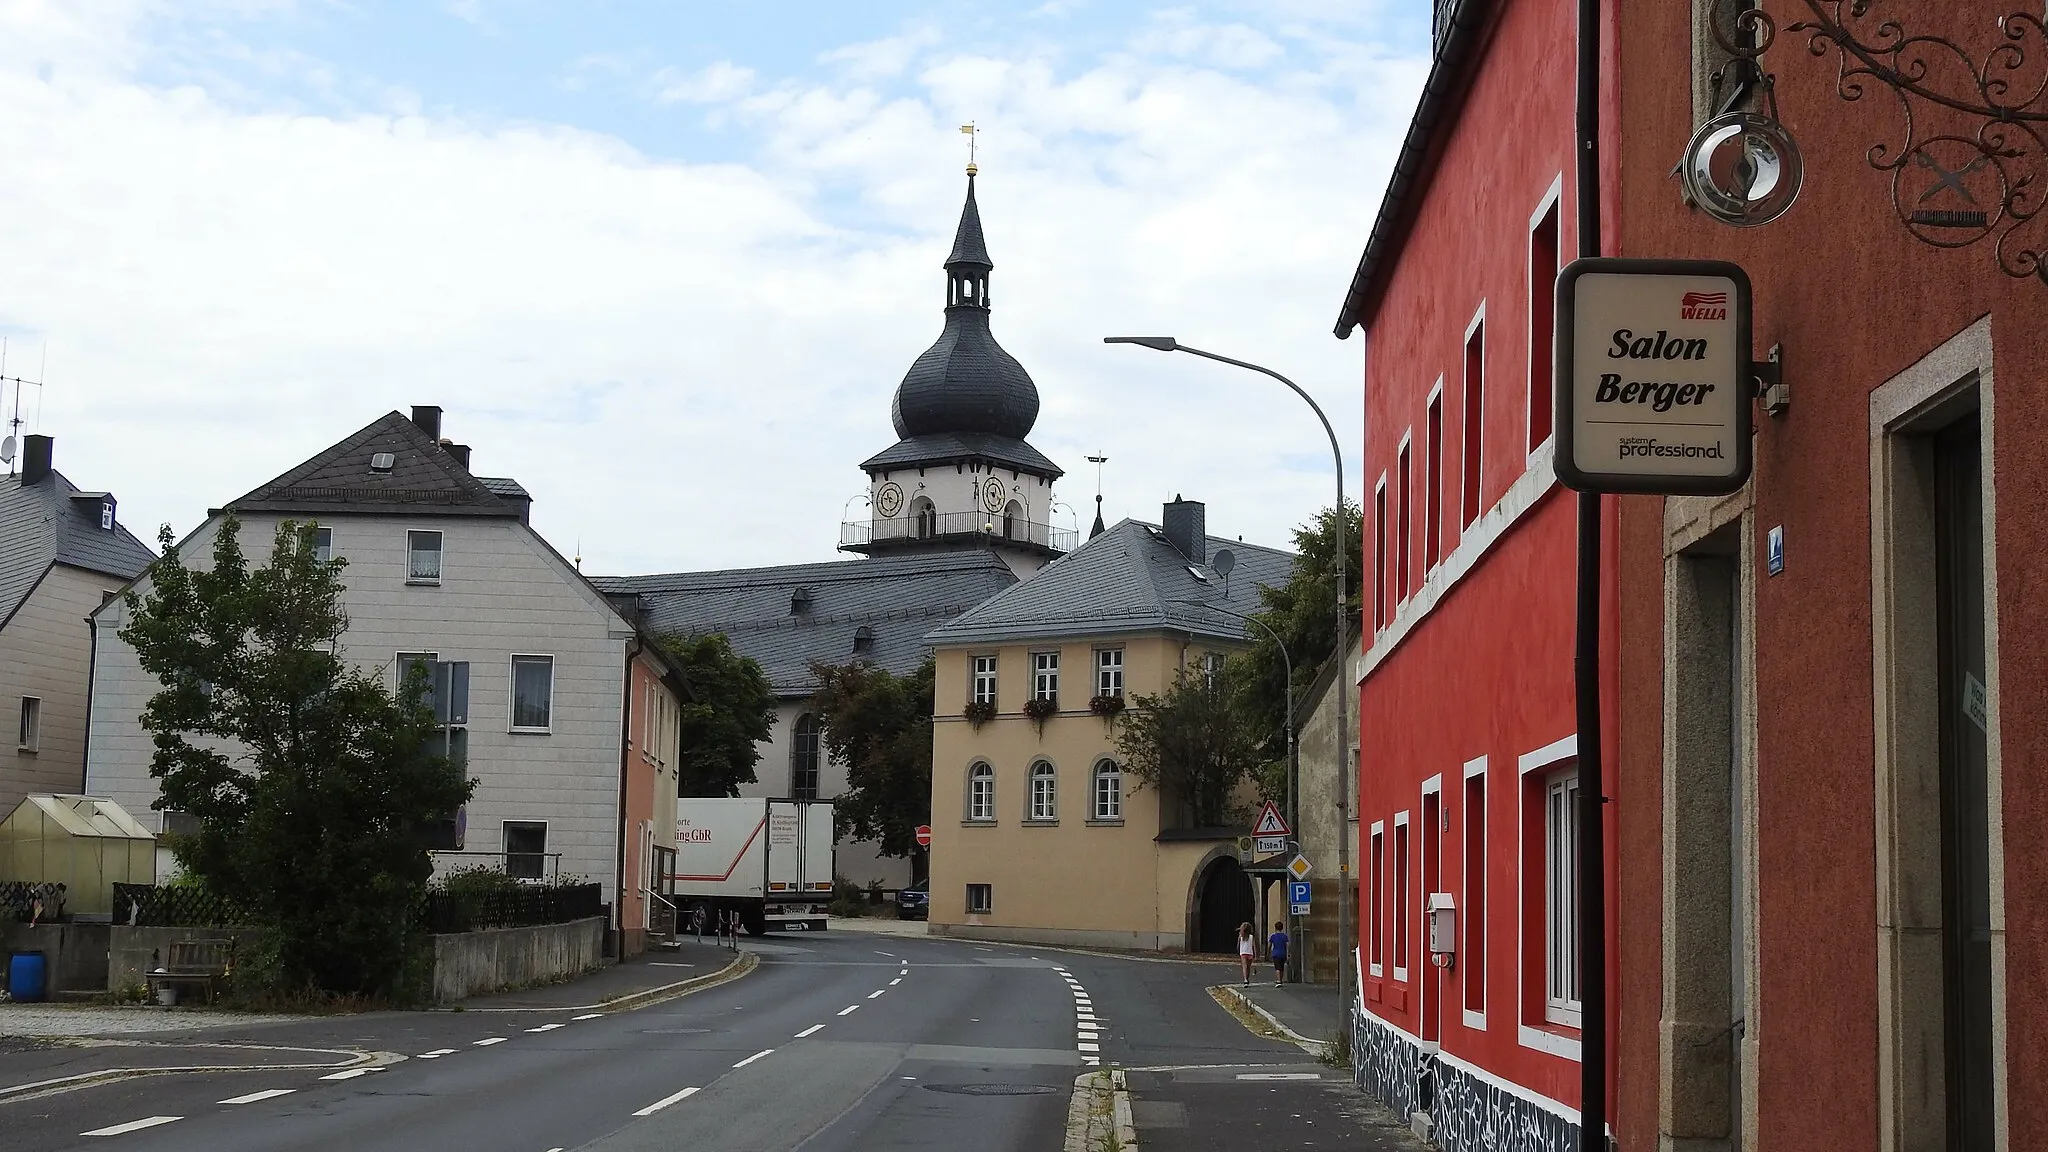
1044	791
927	518
1013	519
981	792
803	758
1109	791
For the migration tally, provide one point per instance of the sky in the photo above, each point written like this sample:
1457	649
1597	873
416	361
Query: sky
665	262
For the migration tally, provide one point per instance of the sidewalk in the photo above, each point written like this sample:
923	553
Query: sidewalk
646	973
1310	1011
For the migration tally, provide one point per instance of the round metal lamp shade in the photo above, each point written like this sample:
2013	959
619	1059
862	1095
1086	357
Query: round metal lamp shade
1743	169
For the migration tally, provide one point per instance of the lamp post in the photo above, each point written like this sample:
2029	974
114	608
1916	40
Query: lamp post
1344	934
1293	759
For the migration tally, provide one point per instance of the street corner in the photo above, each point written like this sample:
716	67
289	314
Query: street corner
31	1068
647	978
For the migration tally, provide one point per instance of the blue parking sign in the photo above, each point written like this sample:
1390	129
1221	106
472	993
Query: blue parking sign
1297	892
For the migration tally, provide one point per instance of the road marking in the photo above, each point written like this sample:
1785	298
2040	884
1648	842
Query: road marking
132	1126
545	1028
812	1030
896	981
587	1016
876	992
665	1101
1086	1034
351	1074
253	1097
1084	1046
848	1011
1092	1061
890	955
754	1057
487	1041
670	964
437	1053
1280	1076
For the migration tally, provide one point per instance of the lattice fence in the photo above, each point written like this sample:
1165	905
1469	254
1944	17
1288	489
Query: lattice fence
158	907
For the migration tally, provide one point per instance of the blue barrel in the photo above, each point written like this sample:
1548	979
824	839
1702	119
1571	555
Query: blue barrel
25	971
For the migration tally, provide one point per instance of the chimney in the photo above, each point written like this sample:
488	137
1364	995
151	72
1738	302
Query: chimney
428	418
35	458
459	451
1185	523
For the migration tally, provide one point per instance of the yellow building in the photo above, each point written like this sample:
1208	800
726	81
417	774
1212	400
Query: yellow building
1037	832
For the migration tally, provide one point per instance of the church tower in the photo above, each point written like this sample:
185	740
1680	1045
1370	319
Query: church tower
961	475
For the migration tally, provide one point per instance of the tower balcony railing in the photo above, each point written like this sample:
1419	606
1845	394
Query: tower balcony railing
954	527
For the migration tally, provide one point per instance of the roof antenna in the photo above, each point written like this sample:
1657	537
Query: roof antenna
10	444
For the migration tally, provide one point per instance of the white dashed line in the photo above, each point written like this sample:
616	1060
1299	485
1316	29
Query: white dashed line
587	1016
848	1010
665	1101
487	1041
754	1057
436	1054
132	1126
351	1074
1092	1061
890	955
812	1030
876	992
896	981
1086	1046
545	1028
253	1097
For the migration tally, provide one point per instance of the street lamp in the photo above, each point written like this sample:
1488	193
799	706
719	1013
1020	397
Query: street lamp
1344	934
1293	760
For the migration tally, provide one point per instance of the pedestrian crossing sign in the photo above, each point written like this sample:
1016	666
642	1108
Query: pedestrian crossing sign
1270	823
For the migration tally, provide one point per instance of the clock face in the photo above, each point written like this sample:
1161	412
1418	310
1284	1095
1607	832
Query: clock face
889	499
992	494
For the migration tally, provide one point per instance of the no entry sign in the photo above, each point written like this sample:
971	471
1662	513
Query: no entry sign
924	835
1654	382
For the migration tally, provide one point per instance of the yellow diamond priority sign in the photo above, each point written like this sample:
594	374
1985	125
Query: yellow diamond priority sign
1299	867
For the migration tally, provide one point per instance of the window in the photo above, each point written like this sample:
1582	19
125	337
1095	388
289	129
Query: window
984	691
981	792
423	557
31	723
1013	519
981	899
1044	792
181	824
447	697
1475	418
1473	961
1401	526
864	639
533	693
1109	672
927	518
1401	896
322	541
1433	484
1376	930
1045	675
1542	323
1379	555
803	758
1109	791
1560	898
526	846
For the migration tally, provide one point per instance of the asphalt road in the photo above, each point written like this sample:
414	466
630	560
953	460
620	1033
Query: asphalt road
839	1041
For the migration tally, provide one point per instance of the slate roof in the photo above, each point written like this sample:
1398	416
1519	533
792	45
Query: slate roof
968	246
41	525
502	486
899	597
951	447
1125	580
423	480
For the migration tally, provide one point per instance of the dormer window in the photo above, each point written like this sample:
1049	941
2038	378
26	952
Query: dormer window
863	639
107	514
800	602
381	463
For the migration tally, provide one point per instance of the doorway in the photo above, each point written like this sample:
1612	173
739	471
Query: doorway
1223	901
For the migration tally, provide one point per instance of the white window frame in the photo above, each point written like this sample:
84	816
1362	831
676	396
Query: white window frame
1561	831
440	555
1049	811
512	693
29	734
981	809
1109	671
988	907
1382	614
1376	960
323	550
1527	1033
1398	876
1212	667
1553	199
981	682
1045	675
1403	552
1477	490
1107	783
1433	530
1473	965
505	852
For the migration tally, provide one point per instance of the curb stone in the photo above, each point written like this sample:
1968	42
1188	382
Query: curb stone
32	1091
743	965
1099	1115
1312	1047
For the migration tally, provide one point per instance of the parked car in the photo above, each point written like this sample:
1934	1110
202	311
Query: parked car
913	902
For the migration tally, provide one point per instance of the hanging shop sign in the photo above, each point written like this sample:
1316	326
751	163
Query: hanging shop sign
1654	382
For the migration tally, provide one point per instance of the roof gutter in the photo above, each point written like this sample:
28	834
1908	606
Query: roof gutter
1449	77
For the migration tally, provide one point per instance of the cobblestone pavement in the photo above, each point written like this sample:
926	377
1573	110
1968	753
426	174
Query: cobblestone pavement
102	1020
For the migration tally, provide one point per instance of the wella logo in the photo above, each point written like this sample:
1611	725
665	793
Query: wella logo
1703	306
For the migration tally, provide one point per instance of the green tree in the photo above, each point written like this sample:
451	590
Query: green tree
1302	611
880	726
723	728
310	779
1189	743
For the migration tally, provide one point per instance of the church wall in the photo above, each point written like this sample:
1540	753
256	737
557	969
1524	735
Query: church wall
860	861
955	490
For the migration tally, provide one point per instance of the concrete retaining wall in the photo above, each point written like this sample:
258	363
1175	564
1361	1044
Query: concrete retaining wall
130	951
76	954
471	963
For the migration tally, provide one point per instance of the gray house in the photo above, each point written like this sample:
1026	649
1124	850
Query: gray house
62	551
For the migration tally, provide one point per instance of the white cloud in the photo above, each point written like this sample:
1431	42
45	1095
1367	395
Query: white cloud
687	361
883	58
712	84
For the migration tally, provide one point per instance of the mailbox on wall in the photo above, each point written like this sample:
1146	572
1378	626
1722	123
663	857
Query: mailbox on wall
1443	924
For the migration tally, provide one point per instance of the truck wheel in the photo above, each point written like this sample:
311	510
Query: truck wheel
755	922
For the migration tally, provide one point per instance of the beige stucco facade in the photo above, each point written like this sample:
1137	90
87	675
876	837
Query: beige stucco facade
1082	876
46	657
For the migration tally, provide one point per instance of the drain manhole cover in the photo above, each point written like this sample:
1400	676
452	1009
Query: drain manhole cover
993	1089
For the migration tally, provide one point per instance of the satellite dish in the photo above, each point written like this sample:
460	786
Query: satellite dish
7	450
1223	561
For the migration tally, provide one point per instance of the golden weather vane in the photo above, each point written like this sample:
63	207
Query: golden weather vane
970	131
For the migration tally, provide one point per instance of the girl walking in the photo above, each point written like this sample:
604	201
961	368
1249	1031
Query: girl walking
1247	950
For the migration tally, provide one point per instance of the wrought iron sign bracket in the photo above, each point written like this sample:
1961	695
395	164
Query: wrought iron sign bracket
1772	393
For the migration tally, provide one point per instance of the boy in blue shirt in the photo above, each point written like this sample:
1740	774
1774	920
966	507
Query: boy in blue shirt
1278	943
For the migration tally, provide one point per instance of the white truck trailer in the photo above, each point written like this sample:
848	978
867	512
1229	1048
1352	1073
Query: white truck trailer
768	860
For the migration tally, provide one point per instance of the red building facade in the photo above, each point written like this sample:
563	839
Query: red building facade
1468	1019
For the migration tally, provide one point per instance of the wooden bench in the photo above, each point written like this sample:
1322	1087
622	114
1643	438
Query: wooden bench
200	964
